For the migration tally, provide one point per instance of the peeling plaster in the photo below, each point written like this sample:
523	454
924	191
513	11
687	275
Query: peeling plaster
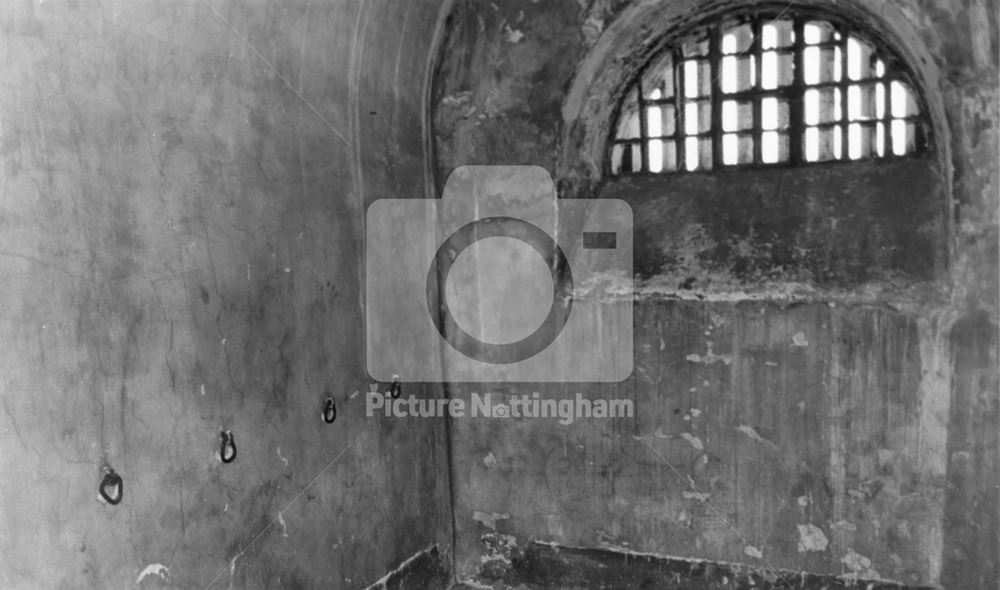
753	552
811	538
694	440
153	569
489	519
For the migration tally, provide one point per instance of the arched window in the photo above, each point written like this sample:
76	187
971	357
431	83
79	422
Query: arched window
768	87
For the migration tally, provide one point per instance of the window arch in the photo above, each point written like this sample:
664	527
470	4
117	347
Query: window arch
764	87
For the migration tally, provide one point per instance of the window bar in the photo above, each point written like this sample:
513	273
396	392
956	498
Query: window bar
796	110
714	58
758	58
679	115
643	132
845	136
887	113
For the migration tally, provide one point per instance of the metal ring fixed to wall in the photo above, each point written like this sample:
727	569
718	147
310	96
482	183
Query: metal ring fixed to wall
329	410
111	489
227	451
396	389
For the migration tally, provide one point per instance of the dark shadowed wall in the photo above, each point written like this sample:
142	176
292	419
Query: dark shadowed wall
181	230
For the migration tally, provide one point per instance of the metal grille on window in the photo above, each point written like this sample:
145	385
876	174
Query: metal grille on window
765	89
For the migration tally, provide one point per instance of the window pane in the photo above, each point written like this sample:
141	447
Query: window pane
821	105
628	126
737	73
625	158
737	116
903	102
659	76
696	45
861	102
698	153
697	117
773	113
697	78
818	31
737	149
880	101
773	147
660	120
662	154
777	33
736	38
730	149
821	144
776	69
860	59
821	64
903	137
628	118
860	141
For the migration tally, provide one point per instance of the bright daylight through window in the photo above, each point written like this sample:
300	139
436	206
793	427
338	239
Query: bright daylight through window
767	89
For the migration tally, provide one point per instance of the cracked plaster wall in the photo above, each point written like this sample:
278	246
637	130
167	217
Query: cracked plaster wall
180	247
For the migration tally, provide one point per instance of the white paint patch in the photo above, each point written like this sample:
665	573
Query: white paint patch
771	363
490	460
858	564
660	434
695	412
354	394
710	357
283	460
153	569
843	525
512	35
751	432
489	519
799	339
803	501
694	440
701	497
203	389
812	538
284	527
753	552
